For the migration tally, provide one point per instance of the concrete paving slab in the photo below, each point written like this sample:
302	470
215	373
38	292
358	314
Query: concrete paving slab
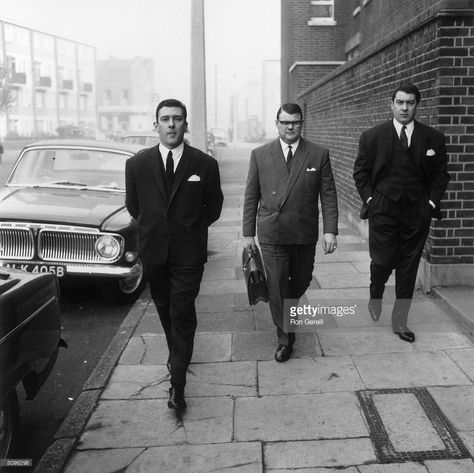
408	467
308	375
207	379
460	298
153	350
298	417
457	403
324	453
231	457
408	427
215	302
327	281
341	256
402	370
264	321
464	358
105	461
343	267
450	466
222	287
358	340
149	324
146	423
226	321
262	346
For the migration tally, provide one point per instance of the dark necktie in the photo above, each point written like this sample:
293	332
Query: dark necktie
169	171
289	157
404	138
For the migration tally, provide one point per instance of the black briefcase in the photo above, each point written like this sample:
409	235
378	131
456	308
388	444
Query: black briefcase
254	275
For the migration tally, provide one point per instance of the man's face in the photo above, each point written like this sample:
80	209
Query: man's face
289	126
171	126
404	107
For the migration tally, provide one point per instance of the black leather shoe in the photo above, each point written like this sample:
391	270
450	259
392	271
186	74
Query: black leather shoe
375	308
283	353
176	400
405	334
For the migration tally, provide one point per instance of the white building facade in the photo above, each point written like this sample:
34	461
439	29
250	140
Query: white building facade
53	82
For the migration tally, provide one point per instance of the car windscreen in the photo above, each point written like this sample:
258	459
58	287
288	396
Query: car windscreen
65	166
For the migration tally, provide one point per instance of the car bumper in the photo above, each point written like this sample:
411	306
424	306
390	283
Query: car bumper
85	270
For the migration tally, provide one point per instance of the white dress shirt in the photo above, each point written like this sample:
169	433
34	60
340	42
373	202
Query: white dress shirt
285	147
177	153
408	131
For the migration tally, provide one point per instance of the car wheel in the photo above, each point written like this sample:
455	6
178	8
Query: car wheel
124	291
8	423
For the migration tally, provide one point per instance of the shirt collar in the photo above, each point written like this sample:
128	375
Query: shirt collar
284	146
177	152
409	127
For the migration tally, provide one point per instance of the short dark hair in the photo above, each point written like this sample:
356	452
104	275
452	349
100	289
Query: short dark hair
408	88
171	103
291	109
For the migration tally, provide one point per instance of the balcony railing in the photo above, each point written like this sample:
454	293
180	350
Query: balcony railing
18	78
43	82
67	84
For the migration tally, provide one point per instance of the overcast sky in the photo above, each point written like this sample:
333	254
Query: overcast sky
239	35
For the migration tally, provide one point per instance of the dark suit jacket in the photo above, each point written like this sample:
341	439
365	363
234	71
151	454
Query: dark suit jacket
173	231
284	206
374	159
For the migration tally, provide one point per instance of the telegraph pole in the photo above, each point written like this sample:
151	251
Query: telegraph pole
198	121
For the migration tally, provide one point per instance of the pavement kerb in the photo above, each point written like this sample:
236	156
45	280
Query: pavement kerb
464	322
56	455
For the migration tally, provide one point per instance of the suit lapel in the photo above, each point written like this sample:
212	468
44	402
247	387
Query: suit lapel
180	171
156	163
416	144
389	130
278	160
298	162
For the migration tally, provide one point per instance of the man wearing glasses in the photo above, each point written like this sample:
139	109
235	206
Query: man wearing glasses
286	179
174	193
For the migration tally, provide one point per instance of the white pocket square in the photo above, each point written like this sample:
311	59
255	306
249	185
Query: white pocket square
431	152
311	169
194	178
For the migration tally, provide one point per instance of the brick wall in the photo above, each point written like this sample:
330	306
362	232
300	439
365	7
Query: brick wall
437	54
302	42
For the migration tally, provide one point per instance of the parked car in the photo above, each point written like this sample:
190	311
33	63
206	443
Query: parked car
63	210
30	337
145	139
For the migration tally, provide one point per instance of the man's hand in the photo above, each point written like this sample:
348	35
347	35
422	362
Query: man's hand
249	242
329	243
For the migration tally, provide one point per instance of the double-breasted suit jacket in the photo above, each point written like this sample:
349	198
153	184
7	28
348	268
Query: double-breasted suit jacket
374	160
175	228
283	206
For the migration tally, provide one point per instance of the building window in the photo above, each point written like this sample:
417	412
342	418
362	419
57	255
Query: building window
322	12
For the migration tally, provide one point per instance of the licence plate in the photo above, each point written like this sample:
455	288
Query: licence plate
56	269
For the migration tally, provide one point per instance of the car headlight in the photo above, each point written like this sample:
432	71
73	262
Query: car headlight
107	247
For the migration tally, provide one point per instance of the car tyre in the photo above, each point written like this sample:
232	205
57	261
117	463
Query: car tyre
124	291
8	423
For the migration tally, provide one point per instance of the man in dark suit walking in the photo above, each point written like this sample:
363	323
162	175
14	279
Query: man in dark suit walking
174	193
285	181
400	173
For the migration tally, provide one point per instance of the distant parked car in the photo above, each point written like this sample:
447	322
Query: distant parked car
145	139
30	337
63	210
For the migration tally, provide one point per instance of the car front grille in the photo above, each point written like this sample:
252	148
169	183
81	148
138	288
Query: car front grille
57	244
17	242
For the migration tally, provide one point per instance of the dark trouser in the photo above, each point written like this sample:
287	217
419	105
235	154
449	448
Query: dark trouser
174	290
289	270
397	235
